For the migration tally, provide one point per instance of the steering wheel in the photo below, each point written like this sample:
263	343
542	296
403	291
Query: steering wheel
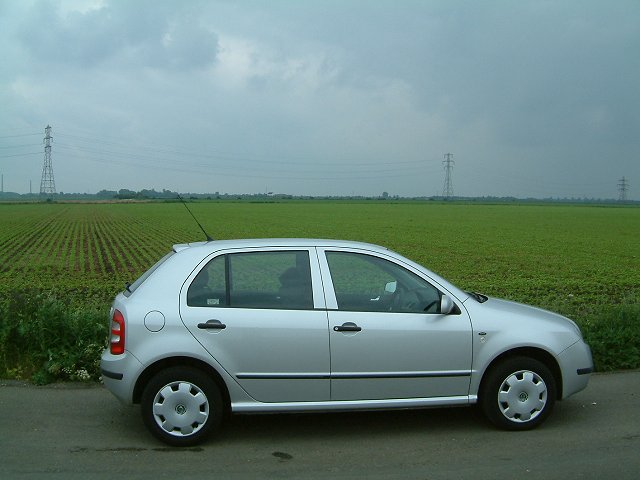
404	300
426	309
410	301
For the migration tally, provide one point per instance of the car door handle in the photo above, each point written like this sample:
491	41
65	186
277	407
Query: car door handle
212	325
347	327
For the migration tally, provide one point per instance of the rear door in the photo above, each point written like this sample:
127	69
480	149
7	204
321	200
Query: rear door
260	313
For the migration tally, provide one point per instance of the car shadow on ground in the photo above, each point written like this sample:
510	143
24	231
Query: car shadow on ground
348	426
344	427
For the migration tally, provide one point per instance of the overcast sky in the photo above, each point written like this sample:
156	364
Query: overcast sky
532	98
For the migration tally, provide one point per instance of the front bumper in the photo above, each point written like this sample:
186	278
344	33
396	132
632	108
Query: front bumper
576	365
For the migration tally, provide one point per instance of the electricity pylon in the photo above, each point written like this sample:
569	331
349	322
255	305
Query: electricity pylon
447	190
47	184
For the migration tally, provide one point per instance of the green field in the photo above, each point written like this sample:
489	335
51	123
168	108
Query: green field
582	261
571	258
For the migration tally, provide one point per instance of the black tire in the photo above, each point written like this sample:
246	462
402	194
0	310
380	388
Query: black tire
518	393
181	406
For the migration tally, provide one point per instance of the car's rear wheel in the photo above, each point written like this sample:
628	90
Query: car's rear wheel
518	393
181	406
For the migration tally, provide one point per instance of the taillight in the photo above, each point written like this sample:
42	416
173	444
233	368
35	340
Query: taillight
117	333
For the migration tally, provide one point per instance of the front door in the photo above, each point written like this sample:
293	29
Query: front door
388	339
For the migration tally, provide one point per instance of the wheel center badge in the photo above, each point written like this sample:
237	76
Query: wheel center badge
181	409
524	396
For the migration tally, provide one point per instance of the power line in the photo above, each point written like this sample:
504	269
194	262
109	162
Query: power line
263	169
19	146
20	154
239	173
133	150
22	135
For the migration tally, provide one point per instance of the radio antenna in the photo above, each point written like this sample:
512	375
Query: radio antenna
209	239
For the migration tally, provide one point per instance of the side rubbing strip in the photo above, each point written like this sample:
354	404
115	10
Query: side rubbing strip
454	373
349	375
115	376
283	376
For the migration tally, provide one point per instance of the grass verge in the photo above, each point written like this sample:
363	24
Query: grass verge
46	338
614	336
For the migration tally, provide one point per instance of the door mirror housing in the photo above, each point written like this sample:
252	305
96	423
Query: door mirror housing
446	305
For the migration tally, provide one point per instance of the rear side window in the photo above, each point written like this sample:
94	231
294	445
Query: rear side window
272	280
209	288
134	286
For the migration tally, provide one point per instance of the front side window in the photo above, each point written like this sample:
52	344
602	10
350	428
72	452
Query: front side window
280	280
372	284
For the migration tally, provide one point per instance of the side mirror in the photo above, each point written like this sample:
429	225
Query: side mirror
446	305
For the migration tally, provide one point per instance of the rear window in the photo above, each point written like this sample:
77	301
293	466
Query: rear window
134	286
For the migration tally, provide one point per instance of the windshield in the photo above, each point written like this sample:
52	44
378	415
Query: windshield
131	287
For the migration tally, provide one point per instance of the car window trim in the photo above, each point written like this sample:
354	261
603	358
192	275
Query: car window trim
330	294
314	265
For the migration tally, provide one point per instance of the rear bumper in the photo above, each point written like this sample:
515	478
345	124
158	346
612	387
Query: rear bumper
119	374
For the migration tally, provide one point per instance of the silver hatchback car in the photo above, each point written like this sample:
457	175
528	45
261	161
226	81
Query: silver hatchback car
292	325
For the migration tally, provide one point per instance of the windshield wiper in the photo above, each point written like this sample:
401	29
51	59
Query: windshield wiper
478	297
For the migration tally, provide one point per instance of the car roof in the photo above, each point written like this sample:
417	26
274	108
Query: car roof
278	242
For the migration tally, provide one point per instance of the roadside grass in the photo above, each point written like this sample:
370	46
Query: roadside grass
614	336
46	339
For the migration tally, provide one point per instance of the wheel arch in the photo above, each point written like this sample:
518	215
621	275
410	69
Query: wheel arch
169	362
531	352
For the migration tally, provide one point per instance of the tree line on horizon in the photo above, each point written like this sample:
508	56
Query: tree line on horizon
164	194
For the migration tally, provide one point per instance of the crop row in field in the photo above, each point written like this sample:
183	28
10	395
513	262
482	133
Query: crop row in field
74	247
569	258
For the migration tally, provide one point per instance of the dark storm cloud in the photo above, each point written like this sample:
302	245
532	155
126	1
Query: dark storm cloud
139	33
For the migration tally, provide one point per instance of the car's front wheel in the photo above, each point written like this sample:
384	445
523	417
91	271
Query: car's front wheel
181	406
518	393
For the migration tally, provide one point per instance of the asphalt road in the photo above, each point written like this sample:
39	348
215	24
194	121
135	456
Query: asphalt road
74	431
